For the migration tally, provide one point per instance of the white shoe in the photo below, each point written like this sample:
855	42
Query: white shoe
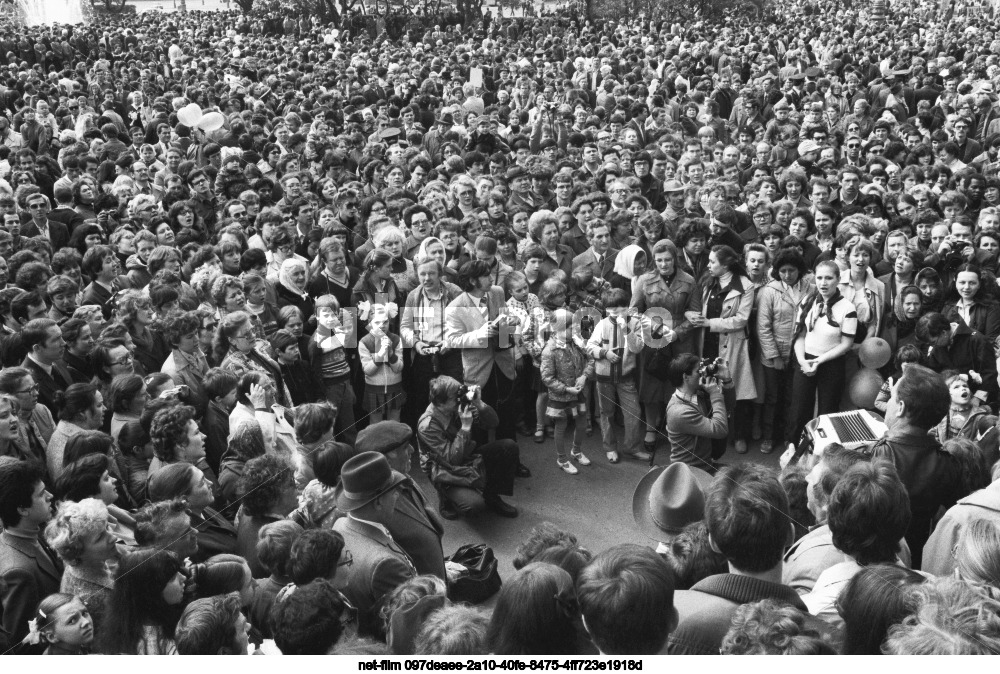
581	458
568	467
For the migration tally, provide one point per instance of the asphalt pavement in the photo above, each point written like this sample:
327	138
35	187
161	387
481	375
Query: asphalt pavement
595	505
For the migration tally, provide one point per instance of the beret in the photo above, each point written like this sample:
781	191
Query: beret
383	437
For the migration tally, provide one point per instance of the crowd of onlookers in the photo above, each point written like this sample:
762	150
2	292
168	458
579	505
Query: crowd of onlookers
258	274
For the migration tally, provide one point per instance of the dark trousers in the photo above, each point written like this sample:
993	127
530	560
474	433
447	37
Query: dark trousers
422	371
500	461
824	389
777	395
500	395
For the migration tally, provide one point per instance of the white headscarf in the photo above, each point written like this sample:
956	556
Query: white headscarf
285	275
625	262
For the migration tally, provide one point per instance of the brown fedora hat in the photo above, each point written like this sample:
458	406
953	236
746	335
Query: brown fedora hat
363	479
668	498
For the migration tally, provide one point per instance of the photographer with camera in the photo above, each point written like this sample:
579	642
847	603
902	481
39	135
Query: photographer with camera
468	475
696	413
955	250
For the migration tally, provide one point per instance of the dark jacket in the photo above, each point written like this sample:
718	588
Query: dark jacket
933	479
216	535
968	350
418	530
378	566
59	380
706	611
215	426
303	382
58	233
28	574
984	318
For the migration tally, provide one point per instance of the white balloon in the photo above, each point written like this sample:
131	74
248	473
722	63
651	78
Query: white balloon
190	115
211	121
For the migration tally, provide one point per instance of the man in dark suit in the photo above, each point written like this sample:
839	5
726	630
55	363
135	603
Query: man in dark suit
639	112
29	570
600	257
40	225
43	340
64	211
414	525
368	491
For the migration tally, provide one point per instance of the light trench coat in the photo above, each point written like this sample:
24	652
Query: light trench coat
733	326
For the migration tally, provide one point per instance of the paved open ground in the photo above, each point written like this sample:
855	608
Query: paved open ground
596	504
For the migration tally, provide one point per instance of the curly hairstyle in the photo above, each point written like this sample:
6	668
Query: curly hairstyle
73	524
692	557
169	431
151	520
768	627
953	618
265	479
543	536
127	305
454	630
222	285
306	619
178	324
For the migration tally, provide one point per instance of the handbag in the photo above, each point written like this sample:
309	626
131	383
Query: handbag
657	362
481	580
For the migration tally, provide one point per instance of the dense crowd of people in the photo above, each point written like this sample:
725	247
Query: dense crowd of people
258	273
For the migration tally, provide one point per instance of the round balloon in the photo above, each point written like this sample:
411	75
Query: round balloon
874	352
864	388
190	115
211	121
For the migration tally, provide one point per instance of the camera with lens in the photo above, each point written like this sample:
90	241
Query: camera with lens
466	394
709	367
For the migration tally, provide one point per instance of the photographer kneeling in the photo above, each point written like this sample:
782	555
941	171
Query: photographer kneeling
468	476
696	413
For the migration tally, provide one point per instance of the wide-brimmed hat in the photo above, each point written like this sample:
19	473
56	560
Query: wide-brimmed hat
363	479
668	498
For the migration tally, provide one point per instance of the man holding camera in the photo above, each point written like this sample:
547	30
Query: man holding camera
469	476
476	322
696	413
422	328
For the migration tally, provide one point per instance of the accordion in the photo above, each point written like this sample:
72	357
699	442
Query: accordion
855	430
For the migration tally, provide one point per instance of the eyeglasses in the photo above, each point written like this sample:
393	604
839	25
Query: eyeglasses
35	207
351	205
126	359
199	181
32	389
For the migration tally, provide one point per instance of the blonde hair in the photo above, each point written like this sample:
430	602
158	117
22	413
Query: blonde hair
978	555
73	524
